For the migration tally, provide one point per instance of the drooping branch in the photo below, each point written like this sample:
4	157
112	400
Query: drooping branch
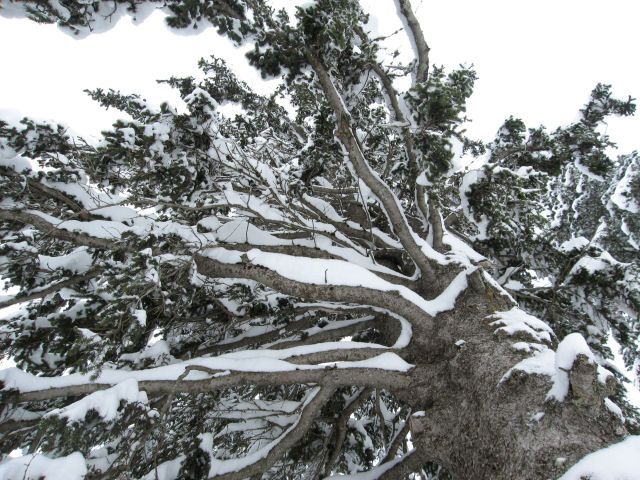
396	442
34	184
331	334
54	231
309	412
382	191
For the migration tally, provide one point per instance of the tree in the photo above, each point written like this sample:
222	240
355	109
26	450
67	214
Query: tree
304	295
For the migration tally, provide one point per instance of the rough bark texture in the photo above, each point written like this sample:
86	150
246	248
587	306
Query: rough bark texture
479	427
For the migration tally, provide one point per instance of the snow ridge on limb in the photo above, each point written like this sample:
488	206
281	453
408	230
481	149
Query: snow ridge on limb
37	465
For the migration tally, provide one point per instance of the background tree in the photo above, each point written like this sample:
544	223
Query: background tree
301	295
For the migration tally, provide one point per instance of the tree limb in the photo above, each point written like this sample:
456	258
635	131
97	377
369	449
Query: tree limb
340	430
382	191
422	69
295	434
338	376
388	300
52	288
48	228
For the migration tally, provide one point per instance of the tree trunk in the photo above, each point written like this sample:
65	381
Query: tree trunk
478	426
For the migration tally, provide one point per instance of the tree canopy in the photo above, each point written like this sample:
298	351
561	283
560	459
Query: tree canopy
309	289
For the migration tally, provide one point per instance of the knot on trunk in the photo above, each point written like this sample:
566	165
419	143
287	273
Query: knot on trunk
588	388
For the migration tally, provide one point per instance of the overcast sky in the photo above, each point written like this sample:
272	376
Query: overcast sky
536	60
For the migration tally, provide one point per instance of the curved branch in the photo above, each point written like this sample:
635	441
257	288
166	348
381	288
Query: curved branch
339	355
50	229
397	441
289	439
51	289
390	300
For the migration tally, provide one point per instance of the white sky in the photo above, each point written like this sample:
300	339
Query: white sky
536	60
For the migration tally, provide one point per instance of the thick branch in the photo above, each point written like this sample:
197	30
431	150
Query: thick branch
334	191
330	335
378	187
388	300
436	224
339	355
348	376
48	228
411	462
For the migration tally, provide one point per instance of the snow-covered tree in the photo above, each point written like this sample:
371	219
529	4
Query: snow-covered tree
309	289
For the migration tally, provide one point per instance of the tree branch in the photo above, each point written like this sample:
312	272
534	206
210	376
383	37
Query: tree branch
397	441
52	288
295	434
337	376
421	46
388	300
378	187
48	228
340	431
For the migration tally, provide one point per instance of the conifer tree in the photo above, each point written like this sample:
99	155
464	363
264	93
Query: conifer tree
313	294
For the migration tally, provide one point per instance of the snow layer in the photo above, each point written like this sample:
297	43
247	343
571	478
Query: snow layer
36	466
569	348
617	462
372	474
105	402
516	320
320	271
78	261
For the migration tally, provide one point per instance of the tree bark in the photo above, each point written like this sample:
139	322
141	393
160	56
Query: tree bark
478	426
